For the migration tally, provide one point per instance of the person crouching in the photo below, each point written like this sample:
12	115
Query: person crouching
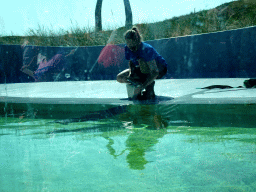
145	65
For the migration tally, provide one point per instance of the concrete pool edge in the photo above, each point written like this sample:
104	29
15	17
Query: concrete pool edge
169	91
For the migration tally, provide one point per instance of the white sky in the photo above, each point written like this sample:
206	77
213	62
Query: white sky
17	17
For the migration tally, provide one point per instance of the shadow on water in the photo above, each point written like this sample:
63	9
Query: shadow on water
145	125
161	116
149	123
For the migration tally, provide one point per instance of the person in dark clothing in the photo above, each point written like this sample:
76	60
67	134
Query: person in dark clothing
145	64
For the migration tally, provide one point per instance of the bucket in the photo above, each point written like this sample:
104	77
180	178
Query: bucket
132	91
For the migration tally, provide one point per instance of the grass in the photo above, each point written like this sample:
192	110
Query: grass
233	15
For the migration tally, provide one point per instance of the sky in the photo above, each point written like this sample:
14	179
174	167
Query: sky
18	17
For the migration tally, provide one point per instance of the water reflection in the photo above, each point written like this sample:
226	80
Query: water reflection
138	143
155	116
111	60
43	69
48	64
146	125
157	145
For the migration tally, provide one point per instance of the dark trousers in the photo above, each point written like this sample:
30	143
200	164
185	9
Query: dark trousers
142	77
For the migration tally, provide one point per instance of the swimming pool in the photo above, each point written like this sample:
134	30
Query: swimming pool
131	148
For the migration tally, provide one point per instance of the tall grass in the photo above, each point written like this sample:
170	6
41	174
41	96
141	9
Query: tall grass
228	16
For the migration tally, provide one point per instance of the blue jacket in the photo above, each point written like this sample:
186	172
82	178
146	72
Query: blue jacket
148	53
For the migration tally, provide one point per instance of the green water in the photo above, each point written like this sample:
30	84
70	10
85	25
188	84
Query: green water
144	148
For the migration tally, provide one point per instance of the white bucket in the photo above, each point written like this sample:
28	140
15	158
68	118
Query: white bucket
132	91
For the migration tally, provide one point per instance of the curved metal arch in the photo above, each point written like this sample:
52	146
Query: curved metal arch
98	20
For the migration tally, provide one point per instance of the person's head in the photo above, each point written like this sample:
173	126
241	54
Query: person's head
41	57
133	39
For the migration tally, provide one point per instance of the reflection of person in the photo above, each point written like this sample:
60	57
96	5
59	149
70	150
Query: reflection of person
138	143
110	59
30	54
46	69
145	64
147	126
154	116
111	54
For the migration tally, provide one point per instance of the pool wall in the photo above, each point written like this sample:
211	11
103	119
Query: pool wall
226	54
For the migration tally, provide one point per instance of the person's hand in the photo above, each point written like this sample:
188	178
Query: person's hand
140	87
133	82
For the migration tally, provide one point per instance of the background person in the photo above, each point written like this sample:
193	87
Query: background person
47	70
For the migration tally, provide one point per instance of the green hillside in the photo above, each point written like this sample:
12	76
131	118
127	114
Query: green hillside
233	15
